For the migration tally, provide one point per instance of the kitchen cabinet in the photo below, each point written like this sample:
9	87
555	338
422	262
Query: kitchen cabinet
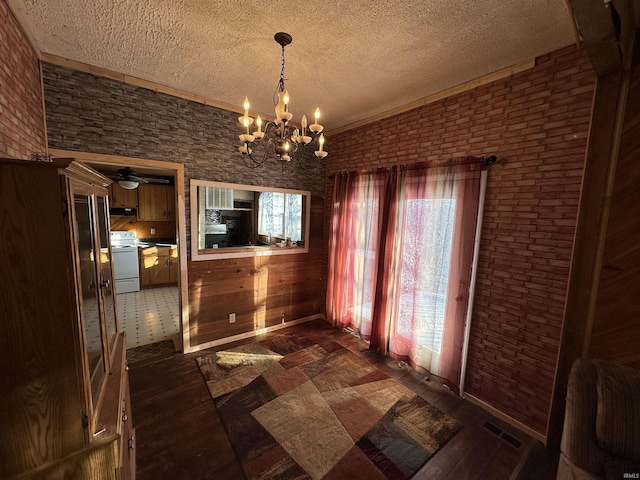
62	353
121	197
218	198
156	202
158	266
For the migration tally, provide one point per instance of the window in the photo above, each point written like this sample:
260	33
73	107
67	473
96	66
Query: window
280	215
400	261
424	270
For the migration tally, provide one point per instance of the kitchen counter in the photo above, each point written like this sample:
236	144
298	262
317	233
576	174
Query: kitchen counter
156	244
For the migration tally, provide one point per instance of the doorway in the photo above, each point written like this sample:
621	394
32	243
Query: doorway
158	312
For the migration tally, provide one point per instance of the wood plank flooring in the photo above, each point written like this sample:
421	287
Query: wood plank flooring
179	434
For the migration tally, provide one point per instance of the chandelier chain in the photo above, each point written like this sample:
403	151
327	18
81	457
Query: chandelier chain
282	72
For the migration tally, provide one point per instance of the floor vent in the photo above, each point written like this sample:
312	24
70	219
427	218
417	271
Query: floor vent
511	440
498	432
492	428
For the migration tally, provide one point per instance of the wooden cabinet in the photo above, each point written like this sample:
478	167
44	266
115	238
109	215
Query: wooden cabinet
158	266
218	198
121	197
156	202
61	350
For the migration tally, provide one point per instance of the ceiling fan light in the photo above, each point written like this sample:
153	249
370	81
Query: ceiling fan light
128	184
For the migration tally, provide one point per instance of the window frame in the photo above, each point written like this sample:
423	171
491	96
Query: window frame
244	251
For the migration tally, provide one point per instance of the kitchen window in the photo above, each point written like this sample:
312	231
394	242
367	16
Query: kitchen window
280	215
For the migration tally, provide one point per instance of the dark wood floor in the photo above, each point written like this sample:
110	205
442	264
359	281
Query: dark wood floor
180	436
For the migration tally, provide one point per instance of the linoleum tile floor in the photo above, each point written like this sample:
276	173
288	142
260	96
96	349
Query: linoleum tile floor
149	316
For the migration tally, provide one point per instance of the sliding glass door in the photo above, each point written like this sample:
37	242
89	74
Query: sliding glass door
400	262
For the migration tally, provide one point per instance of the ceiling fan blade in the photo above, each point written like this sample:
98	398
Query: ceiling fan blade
135	178
129	174
127	171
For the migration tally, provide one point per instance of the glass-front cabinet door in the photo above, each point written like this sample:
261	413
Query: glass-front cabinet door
106	270
87	274
98	320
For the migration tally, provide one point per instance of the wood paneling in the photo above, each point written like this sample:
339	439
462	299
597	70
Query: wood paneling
616	327
602	317
261	291
163	230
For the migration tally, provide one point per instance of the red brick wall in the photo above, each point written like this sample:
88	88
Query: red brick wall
536	123
22	130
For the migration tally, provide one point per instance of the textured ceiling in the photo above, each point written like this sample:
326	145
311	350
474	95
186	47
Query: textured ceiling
353	59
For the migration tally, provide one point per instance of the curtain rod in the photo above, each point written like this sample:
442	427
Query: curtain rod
485	161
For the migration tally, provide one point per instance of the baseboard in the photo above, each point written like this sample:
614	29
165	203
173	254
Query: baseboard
503	416
253	333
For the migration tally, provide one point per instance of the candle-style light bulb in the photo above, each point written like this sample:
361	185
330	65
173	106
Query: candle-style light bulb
259	123
285	99
303	123
246	124
317	114
321	142
246	107
287	146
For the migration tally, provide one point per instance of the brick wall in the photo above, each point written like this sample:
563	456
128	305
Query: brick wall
536	123
21	111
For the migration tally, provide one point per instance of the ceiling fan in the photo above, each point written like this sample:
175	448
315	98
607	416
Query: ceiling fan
129	179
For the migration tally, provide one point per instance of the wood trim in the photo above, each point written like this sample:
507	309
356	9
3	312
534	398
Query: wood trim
503	416
485	79
599	173
254	333
178	172
183	280
44	108
103	72
607	195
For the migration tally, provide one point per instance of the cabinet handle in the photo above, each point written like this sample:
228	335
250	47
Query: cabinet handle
130	443
125	417
105	284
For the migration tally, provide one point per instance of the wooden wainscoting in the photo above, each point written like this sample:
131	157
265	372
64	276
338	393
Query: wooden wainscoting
262	292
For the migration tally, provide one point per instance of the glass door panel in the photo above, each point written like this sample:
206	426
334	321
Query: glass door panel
89	291
106	269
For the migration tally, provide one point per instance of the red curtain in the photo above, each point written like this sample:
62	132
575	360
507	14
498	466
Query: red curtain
401	251
353	250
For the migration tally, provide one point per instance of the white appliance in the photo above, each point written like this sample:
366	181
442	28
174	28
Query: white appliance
125	262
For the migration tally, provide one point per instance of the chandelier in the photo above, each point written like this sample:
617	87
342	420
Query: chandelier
279	137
